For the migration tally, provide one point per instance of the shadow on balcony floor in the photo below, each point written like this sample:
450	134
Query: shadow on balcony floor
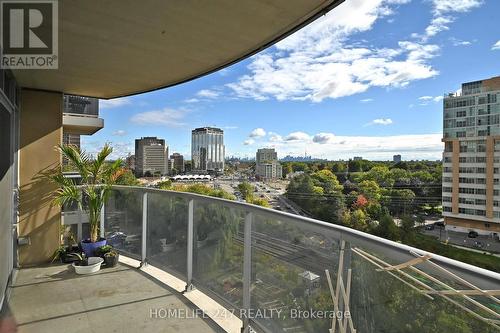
119	299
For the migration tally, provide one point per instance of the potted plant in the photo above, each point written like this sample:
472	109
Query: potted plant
67	252
87	265
111	258
102	250
96	178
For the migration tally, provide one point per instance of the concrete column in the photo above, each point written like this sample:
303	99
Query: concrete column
40	131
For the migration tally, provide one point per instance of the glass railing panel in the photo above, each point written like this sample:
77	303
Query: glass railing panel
218	250
289	259
290	285
167	224
123	221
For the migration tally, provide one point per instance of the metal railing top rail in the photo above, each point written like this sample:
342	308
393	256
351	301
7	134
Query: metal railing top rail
344	232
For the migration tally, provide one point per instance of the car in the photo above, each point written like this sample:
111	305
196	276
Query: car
429	227
472	234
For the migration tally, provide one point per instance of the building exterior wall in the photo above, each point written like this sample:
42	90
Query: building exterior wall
267	165
40	131
151	156
471	160
207	150
177	162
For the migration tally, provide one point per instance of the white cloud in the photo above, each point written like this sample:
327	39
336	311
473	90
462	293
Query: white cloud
382	121
366	100
297	136
257	133
323	138
275	137
167	117
249	142
459	42
318	62
442	14
114	103
496	46
191	100
425	100
207	93
419	146
120	133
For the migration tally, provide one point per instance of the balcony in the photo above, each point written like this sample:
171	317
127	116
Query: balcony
273	271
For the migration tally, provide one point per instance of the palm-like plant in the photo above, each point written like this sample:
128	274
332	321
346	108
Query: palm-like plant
97	177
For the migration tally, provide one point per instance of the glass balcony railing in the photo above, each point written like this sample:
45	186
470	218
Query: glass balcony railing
284	273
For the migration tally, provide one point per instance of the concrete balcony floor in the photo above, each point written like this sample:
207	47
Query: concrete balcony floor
55	299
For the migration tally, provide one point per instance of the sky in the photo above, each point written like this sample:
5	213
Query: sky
367	79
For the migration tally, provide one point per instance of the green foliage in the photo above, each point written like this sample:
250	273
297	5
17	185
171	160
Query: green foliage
204	190
165	185
387	228
246	190
97	177
128	179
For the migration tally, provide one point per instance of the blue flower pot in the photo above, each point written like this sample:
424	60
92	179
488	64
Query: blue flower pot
89	248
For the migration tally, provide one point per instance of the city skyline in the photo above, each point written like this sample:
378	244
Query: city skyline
372	99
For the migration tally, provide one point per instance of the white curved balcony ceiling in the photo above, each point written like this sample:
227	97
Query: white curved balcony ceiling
116	48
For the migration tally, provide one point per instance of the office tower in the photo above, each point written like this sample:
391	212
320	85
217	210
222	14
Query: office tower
177	163
150	157
267	165
396	158
471	158
207	150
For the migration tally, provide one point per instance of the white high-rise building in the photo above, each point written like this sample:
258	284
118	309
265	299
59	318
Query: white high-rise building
267	165
207	150
471	159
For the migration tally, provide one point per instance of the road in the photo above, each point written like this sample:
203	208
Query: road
461	239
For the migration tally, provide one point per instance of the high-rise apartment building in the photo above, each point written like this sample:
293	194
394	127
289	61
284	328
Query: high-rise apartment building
471	159
151	156
177	163
267	165
396	158
207	150
80	117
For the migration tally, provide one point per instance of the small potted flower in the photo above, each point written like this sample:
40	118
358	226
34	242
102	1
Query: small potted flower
111	258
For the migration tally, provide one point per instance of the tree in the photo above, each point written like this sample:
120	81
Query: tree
128	179
246	190
387	228
407	229
97	177
356	219
370	189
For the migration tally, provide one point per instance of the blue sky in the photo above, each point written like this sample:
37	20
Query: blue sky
364	80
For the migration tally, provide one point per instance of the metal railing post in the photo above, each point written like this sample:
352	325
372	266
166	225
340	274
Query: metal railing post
190	246
144	227
247	271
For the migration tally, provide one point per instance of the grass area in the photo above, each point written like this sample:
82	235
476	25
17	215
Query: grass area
431	244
